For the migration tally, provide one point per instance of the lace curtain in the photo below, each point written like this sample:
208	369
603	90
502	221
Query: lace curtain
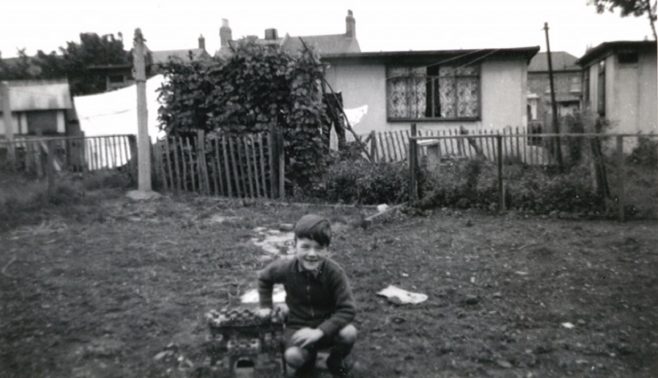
454	95
406	92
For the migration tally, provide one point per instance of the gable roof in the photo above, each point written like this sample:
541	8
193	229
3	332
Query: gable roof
163	56
607	48
330	44
561	61
39	95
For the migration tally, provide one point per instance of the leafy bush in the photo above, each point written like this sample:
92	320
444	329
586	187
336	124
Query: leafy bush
540	191
460	183
106	179
646	153
247	91
360	181
474	183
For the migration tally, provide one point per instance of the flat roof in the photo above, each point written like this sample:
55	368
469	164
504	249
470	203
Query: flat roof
605	47
526	52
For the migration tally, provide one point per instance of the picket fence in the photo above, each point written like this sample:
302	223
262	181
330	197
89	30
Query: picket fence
40	155
243	166
391	146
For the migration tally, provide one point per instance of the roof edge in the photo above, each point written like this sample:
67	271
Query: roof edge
600	49
528	52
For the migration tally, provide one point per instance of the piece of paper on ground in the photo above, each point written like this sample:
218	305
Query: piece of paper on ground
400	296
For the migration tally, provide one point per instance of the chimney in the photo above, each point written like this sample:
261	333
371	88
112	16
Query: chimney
202	42
271	34
350	25
225	33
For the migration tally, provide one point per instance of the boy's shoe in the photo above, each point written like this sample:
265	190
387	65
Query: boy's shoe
339	368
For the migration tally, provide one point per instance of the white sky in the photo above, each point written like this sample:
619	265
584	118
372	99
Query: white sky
380	24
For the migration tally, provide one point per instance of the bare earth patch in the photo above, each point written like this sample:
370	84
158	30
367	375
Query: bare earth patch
119	289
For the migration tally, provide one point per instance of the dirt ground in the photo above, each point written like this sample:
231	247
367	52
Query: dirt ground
120	288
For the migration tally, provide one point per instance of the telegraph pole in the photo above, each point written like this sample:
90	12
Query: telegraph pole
143	141
6	117
556	124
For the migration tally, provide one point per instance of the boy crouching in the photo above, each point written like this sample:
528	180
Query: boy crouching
319	300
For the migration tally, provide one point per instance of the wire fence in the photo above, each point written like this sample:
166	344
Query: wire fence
601	174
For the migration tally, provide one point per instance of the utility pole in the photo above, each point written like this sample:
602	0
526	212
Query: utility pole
143	141
556	125
6	117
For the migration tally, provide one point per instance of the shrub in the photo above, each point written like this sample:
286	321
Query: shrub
646	153
460	183
541	191
106	179
474	183
360	181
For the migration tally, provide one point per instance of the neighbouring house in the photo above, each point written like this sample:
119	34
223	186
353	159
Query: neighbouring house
121	75
619	85
483	88
567	84
328	44
39	107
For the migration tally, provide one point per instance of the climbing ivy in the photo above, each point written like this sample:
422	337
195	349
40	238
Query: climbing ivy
246	91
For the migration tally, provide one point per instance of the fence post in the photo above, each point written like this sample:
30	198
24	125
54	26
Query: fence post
49	166
621	178
413	165
204	180
501	191
282	164
274	161
9	124
132	142
373	145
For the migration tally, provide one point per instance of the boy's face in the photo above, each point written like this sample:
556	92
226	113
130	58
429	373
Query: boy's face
310	253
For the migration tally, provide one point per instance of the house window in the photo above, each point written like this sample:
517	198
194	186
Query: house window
600	102
627	57
42	122
433	93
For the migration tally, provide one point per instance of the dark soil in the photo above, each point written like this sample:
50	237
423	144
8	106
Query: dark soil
103	289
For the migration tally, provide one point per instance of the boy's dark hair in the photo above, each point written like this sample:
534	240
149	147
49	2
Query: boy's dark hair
314	227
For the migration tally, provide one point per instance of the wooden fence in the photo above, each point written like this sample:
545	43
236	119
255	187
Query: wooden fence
392	146
501	147
35	155
222	165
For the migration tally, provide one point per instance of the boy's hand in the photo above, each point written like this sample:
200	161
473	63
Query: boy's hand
306	336
264	313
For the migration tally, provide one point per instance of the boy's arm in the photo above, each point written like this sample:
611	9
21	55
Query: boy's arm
271	274
345	310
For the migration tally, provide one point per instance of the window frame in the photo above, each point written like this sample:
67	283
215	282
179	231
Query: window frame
429	80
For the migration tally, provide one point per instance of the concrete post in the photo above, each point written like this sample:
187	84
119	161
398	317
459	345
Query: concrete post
143	141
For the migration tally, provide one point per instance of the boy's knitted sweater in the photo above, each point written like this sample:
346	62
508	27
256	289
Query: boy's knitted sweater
320	299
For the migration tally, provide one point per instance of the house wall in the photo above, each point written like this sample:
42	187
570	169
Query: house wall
633	102
15	122
631	96
503	95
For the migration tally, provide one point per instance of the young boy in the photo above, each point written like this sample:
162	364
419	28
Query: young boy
319	300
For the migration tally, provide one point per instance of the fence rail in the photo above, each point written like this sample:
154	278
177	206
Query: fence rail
517	144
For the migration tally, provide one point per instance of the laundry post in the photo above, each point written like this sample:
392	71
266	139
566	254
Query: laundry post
143	142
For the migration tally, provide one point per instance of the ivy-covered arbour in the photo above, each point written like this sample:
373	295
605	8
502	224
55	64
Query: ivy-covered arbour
247	91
